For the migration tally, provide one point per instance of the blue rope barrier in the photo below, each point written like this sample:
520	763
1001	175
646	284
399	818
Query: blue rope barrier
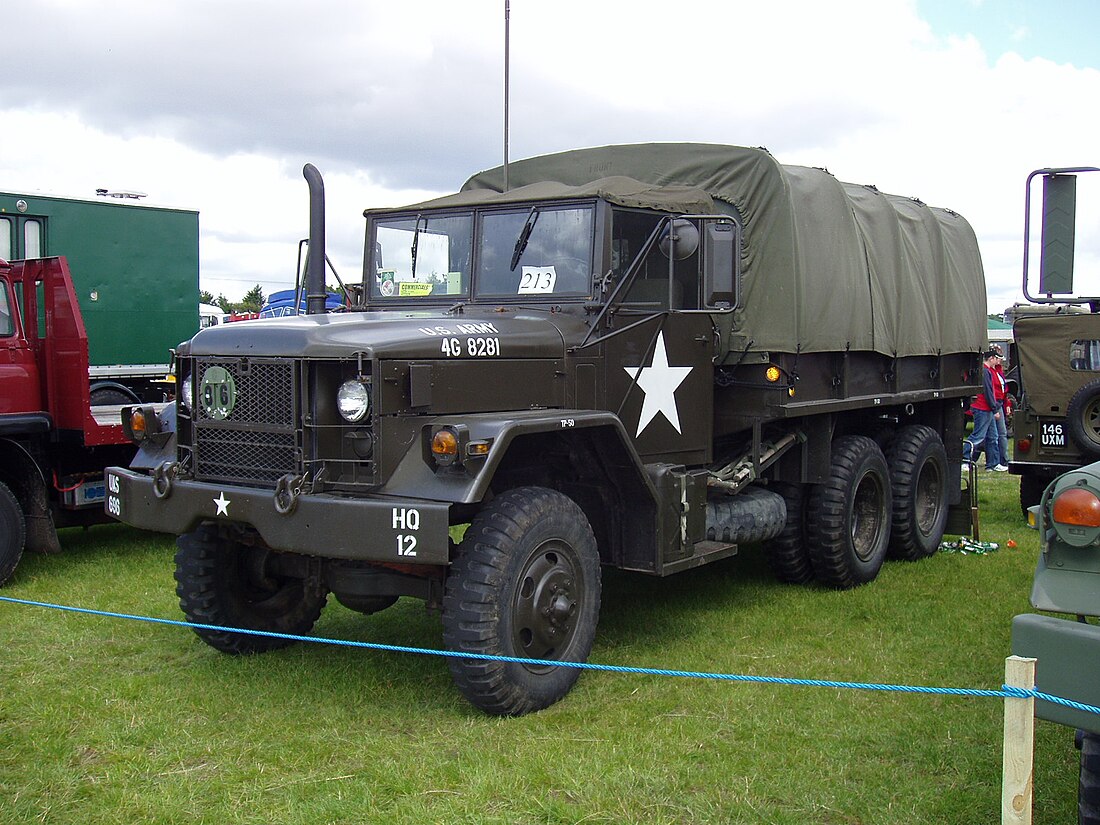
1006	691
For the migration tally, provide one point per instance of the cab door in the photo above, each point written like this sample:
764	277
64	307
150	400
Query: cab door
660	381
19	374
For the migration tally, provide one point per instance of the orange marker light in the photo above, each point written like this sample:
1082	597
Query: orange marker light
1078	507
137	423
445	446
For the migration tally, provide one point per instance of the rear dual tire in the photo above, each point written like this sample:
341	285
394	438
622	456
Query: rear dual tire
848	516
918	479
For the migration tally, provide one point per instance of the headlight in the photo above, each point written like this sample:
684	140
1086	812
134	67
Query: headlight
184	397
353	400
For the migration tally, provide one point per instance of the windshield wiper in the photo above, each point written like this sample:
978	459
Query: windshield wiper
524	237
416	238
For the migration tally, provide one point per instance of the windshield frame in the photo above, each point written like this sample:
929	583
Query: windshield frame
600	215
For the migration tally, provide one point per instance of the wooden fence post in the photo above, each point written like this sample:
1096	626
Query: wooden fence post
1019	744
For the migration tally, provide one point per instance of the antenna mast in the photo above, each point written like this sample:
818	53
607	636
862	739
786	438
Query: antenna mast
507	16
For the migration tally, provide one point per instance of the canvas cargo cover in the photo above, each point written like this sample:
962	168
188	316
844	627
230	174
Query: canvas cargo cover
826	265
1043	345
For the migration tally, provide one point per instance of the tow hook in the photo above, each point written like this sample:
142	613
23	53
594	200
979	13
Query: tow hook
163	474
287	490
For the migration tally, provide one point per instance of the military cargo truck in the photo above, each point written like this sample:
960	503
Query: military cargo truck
1056	426
642	357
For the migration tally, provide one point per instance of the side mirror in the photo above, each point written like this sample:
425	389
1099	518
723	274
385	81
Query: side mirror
721	264
681	240
1059	219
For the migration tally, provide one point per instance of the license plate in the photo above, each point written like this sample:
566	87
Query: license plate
1052	435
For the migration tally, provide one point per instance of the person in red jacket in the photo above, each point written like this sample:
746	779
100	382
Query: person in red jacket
986	409
999	428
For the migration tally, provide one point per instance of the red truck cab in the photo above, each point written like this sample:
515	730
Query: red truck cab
53	444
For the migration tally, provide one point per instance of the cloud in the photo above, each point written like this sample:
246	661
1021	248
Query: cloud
217	105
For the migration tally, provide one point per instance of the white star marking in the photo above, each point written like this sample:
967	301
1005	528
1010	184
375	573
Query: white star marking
223	505
659	382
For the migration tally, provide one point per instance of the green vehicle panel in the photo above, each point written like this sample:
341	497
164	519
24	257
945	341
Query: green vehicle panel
135	269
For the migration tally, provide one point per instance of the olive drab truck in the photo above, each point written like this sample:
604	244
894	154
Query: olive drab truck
1056	426
642	357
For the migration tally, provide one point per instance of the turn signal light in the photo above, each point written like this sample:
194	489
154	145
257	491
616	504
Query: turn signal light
477	448
445	446
1077	507
772	374
137	423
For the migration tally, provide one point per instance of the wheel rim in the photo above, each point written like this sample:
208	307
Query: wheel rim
546	604
926	504
1091	422
867	517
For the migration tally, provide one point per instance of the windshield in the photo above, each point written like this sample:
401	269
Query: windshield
544	251
541	251
422	255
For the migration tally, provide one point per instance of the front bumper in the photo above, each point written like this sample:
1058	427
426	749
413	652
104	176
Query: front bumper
378	529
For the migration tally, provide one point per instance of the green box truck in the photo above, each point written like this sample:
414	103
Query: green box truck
135	269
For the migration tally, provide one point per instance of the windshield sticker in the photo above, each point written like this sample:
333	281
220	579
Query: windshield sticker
454	283
386	286
416	288
537	280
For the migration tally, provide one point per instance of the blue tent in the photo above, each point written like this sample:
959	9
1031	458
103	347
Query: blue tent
281	303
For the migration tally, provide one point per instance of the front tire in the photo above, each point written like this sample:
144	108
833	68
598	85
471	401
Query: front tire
848	517
222	582
918	481
525	584
13	533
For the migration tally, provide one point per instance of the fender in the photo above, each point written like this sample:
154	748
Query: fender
606	477
468	482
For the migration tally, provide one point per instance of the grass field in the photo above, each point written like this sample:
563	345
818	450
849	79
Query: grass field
105	721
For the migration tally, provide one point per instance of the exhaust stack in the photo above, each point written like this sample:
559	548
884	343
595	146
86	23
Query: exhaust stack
315	258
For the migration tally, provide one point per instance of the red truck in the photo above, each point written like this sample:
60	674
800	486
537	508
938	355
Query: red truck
53	443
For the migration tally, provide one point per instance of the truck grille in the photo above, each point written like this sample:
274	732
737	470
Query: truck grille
251	437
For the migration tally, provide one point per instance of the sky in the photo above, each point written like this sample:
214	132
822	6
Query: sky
215	105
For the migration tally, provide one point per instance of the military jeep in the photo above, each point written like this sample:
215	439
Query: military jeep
1056	426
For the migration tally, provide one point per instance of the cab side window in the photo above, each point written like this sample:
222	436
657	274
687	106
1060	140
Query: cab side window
7	327
1084	355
